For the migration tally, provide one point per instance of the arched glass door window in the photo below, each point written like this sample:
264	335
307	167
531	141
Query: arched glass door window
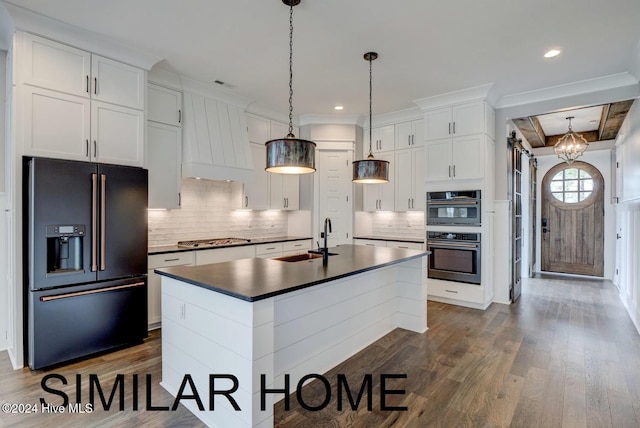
571	185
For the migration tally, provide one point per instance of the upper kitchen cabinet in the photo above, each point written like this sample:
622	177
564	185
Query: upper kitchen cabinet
72	99
409	134
455	121
164	105
254	195
164	146
258	129
409	179
382	139
284	189
459	158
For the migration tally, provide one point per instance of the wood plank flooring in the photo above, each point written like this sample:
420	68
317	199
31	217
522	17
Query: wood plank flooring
565	355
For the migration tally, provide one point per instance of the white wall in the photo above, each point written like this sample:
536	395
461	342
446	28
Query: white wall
629	213
601	159
4	283
3	108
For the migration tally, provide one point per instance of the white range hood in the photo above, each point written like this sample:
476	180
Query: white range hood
215	143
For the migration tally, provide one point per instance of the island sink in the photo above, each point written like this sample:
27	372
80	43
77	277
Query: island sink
301	257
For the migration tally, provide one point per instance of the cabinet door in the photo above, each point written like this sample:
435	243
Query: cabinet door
278	130
370	197
468	118
417	128
164	158
55	66
404	133
437	124
164	105
467	157
387	190
387	138
117	134
258	129
117	83
418	201
437	160
256	193
291	191
154	303
56	125
403	179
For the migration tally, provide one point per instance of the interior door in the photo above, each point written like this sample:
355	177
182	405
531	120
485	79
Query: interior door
573	220
334	195
516	227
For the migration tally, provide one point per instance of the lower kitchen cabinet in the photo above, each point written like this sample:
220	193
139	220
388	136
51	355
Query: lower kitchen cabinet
226	254
290	248
154	291
267	251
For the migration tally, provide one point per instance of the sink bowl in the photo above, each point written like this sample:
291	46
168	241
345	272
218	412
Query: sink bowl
301	257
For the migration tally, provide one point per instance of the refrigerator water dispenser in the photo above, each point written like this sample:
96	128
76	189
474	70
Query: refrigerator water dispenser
64	248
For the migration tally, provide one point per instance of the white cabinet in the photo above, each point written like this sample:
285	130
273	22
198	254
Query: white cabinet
73	100
457	120
382	139
370	242
254	195
226	254
164	146
380	197
164	156
290	248
409	134
459	158
154	304
164	105
284	192
409	180
405	245
267	251
258	129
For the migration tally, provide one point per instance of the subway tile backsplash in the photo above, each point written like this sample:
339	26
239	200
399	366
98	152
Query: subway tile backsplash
207	212
409	224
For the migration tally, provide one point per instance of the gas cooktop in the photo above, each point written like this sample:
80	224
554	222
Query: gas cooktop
199	243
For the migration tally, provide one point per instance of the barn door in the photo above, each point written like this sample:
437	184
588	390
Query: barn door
572	220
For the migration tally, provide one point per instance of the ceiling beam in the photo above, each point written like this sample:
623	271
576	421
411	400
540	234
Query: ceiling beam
590	136
611	122
531	130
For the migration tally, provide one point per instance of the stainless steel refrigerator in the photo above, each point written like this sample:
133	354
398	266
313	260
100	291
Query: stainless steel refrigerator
85	258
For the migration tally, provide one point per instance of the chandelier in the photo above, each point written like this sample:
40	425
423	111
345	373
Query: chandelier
571	145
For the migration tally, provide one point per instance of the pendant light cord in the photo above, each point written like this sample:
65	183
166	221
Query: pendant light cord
290	135
370	105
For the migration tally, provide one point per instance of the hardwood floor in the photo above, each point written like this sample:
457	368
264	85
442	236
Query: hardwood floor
565	355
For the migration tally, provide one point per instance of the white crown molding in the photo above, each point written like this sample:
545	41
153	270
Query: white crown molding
221	94
164	78
456	97
35	23
567	90
329	119
394	117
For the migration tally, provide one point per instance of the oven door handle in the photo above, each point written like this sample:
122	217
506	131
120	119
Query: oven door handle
450	202
451	245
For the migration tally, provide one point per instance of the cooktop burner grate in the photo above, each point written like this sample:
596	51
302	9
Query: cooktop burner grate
211	242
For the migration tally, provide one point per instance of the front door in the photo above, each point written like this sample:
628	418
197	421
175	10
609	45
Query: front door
572	222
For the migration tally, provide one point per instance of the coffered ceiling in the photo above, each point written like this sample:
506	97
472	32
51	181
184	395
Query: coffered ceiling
426	47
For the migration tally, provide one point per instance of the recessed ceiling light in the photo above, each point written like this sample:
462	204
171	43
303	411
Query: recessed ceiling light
552	53
338	108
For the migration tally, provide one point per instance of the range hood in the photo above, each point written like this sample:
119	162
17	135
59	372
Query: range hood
215	143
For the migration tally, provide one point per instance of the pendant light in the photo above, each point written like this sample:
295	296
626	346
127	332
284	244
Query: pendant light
571	146
370	170
290	155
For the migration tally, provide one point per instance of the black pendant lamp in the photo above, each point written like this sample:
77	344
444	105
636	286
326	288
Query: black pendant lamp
370	170
290	155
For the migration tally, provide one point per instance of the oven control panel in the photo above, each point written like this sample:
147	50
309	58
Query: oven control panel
453	236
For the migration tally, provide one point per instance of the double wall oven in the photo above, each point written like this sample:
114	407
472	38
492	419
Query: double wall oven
455	246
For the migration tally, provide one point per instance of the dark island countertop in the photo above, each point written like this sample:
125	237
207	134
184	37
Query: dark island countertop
256	279
163	249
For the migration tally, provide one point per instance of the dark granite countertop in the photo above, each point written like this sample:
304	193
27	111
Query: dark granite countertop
391	238
256	279
163	249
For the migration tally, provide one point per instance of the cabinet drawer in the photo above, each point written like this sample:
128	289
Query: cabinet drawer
274	247
301	246
171	259
370	242
404	245
455	290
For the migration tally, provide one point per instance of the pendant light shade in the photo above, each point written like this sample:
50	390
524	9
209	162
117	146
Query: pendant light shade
571	146
290	155
370	170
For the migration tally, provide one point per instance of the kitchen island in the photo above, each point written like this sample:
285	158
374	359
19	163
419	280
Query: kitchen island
228	326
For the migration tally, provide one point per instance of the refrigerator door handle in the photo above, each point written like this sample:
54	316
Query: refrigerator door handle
83	293
103	217
94	222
